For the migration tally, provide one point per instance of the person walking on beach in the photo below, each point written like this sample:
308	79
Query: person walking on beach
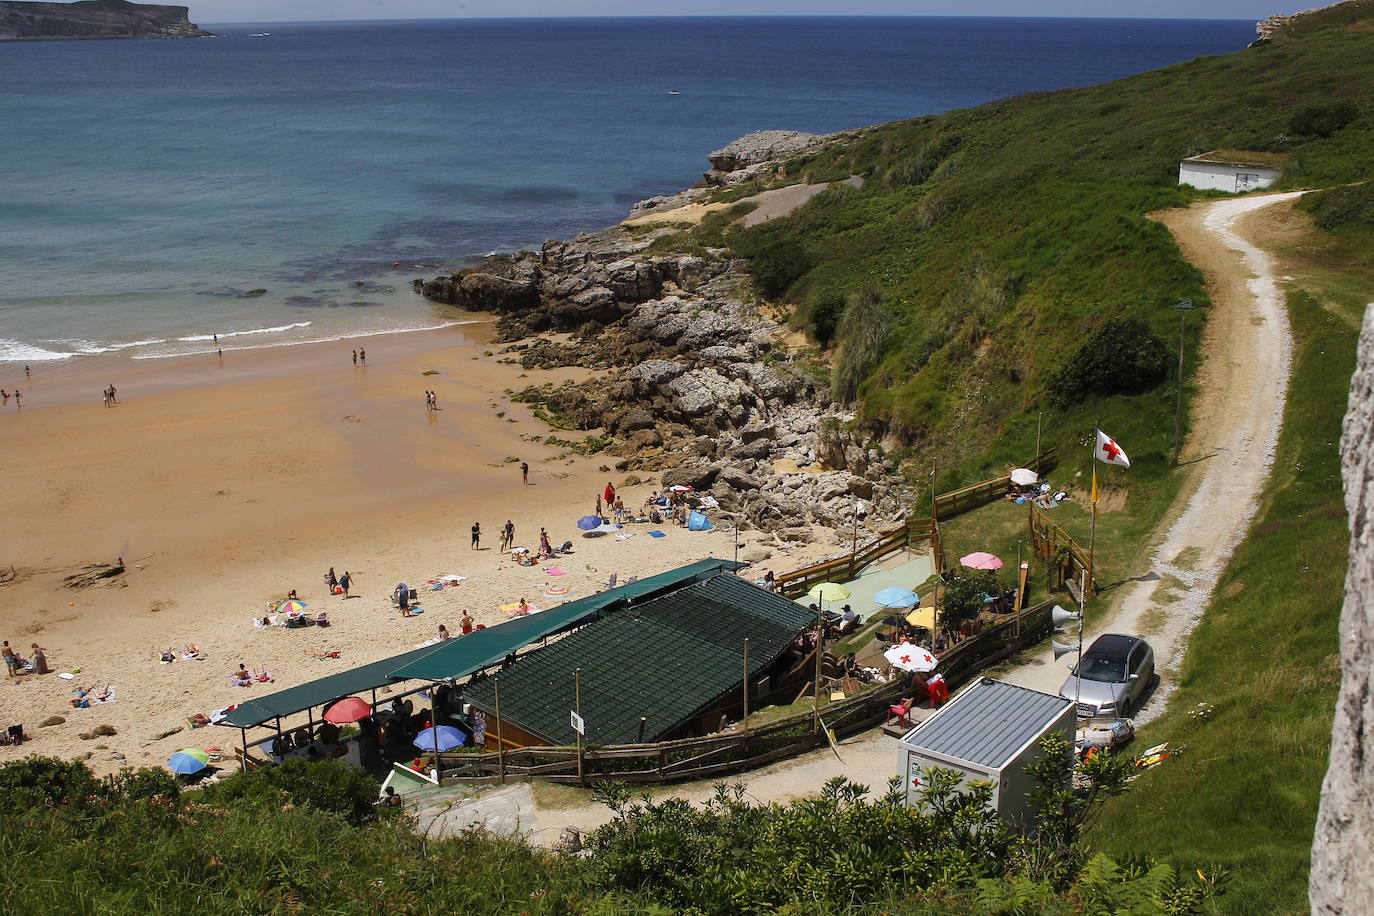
345	581
508	536
525	473
12	660
362	355
331	580
434	400
105	397
18	399
39	662
355	357
476	535
597	513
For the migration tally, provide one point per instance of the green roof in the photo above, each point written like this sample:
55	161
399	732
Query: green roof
322	691
460	657
667	659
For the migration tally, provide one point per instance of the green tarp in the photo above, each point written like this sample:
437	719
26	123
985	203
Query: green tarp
460	657
320	692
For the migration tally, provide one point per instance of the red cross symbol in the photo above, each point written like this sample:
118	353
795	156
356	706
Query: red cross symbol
906	659
1111	449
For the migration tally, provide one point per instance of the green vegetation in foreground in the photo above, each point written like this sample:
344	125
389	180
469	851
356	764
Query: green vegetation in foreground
1265	657
304	838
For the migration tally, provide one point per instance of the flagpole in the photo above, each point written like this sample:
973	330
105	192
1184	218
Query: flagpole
1092	531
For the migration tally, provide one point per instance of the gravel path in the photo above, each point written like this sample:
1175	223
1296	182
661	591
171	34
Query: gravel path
1235	427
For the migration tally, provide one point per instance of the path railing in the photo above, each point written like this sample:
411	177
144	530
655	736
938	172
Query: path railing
1064	557
740	749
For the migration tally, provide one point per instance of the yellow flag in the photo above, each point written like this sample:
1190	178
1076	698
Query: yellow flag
1094	485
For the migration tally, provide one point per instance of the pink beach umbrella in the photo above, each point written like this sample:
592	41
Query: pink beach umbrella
981	560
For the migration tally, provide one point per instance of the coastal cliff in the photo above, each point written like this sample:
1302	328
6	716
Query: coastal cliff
26	21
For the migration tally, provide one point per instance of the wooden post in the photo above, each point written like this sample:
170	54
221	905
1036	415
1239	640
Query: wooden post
243	761
577	700
639	732
820	653
500	744
745	725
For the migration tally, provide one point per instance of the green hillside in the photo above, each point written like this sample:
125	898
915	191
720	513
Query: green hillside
994	240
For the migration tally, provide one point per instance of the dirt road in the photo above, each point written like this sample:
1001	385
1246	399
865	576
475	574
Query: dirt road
1235	427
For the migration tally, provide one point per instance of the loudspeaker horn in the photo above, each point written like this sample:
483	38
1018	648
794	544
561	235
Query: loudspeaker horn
1060	650
1059	616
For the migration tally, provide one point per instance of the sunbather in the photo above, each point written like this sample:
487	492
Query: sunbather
242	677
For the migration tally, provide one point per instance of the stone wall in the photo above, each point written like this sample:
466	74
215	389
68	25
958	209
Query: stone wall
1342	881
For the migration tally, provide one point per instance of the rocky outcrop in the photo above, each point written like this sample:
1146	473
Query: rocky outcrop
1270	26
25	21
762	146
693	383
1341	881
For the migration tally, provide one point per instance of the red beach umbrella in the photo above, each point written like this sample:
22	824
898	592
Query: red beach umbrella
347	710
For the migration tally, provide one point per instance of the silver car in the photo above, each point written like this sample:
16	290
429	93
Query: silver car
1116	672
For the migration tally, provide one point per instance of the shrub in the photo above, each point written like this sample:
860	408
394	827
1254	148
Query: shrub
330	786
964	595
50	781
1122	357
1342	208
775	266
1323	120
823	318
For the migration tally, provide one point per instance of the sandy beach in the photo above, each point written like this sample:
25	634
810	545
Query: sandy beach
224	484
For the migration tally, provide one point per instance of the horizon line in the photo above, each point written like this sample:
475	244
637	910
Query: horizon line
537	18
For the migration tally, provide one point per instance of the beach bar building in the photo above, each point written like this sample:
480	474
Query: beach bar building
660	657
1232	171
989	732
664	659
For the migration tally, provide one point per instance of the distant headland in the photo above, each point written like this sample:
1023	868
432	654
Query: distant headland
27	21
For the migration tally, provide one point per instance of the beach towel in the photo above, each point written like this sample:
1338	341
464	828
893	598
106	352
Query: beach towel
657	534
624	535
555	571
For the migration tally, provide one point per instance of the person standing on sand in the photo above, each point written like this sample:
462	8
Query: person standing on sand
6	395
466	623
345	581
12	660
355	357
331	580
545	548
113	399
610	494
508	535
476	535
105	397
39	662
18	399
525	473
362	355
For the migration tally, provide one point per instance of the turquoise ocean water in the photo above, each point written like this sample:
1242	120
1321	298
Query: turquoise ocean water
148	187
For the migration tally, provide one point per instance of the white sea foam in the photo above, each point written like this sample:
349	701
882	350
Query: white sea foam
276	330
16	351
297	342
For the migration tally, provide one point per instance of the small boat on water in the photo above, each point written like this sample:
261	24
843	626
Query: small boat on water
674	92
261	35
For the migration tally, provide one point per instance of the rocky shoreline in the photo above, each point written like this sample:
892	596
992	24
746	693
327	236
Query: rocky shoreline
694	380
92	19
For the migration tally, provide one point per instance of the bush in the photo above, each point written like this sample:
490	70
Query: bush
46	781
776	265
1342	208
1323	120
823	318
330	786
964	595
1122	357
862	333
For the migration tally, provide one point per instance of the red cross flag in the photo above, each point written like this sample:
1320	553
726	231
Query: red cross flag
1109	452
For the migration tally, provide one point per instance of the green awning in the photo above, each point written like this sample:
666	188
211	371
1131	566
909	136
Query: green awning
323	691
467	654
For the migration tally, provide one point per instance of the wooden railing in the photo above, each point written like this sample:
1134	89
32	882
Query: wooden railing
1068	563
947	505
738	750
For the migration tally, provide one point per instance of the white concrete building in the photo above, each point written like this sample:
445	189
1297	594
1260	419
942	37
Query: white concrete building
1226	171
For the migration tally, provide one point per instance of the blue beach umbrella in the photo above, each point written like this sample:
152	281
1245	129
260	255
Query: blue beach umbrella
449	738
897	597
589	522
188	760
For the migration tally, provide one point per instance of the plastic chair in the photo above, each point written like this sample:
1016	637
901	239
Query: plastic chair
939	690
901	712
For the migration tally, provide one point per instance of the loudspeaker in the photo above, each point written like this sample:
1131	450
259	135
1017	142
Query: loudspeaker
1059	616
1060	649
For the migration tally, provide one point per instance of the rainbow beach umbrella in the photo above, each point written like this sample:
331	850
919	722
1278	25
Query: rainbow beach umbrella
291	606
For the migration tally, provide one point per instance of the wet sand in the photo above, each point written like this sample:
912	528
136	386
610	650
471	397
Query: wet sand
224	485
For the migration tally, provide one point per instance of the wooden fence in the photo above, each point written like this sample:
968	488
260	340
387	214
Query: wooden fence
739	750
947	505
1067	562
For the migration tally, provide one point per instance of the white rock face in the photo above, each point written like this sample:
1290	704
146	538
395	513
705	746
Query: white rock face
1342	881
761	146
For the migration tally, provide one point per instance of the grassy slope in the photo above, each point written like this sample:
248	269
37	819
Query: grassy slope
1000	236
1244	795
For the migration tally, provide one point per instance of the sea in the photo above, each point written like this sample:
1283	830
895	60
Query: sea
284	183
